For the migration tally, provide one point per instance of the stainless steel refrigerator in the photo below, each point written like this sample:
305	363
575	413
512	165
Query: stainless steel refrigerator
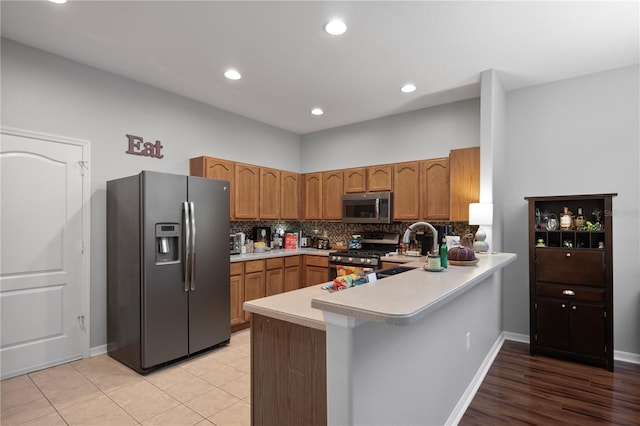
167	268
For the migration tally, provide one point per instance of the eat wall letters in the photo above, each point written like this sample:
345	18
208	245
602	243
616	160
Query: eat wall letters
137	146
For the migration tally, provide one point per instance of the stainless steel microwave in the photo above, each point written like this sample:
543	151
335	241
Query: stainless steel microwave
368	207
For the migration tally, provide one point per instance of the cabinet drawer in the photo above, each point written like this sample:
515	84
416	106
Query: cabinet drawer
253	266
317	261
275	263
291	261
579	267
235	268
564	292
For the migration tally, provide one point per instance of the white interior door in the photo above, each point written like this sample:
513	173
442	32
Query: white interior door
42	260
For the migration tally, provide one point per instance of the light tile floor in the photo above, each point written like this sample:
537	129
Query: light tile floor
211	389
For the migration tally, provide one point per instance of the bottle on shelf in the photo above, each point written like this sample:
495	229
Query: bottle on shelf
566	219
580	221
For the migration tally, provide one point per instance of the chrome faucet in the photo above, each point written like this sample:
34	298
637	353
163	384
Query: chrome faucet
407	235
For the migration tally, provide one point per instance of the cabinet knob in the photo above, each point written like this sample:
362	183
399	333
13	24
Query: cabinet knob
574	307
569	293
568	254
564	306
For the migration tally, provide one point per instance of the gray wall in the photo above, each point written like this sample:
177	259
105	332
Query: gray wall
426	133
45	93
576	136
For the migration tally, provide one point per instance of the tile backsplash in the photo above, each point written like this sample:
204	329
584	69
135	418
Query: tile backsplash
339	233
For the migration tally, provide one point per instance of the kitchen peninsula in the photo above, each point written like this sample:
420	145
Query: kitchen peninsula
403	350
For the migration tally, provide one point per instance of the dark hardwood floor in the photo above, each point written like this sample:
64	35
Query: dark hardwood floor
523	390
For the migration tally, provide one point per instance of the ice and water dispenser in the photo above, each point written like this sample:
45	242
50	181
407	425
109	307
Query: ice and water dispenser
167	243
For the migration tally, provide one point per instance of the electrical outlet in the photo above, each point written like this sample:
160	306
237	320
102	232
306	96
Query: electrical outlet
468	340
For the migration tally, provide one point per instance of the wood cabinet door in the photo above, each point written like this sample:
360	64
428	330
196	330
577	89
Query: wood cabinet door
434	189
289	195
274	281
380	178
332	191
464	178
237	298
269	193
215	168
291	278
355	180
315	275
254	288
552	319
406	195
570	266
587	325
247	181
313	196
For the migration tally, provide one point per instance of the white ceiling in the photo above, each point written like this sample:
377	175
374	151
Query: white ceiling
289	64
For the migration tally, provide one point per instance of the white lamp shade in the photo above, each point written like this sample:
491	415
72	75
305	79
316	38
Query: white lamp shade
481	214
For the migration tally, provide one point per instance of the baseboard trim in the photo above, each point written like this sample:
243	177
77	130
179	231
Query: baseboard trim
470	392
98	350
516	337
617	355
626	357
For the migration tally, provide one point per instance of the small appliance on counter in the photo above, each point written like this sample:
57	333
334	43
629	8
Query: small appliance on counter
323	244
234	244
262	234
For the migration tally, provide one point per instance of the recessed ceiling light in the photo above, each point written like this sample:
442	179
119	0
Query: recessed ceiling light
232	74
335	27
58	1
408	88
317	111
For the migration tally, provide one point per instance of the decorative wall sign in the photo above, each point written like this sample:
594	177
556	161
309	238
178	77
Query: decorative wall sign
137	146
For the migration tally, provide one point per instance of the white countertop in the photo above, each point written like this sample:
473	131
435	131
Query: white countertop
401	299
277	253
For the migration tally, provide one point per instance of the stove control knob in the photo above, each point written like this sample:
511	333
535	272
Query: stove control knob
333	258
350	259
362	260
339	258
368	261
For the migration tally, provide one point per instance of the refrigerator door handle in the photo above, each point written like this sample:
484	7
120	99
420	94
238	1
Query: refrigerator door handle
192	210
187	244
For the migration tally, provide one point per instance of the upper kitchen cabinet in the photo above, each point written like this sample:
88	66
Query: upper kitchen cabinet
464	178
406	196
332	190
355	180
269	193
380	178
247	193
215	168
312	196
289	195
434	189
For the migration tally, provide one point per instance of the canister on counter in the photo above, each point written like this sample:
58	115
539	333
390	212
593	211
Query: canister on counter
433	262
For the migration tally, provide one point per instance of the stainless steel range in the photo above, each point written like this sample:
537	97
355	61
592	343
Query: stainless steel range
374	245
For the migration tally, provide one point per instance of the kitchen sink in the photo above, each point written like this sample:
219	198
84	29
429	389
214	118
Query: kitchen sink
395	270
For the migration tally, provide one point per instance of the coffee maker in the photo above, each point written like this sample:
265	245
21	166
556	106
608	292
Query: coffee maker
262	234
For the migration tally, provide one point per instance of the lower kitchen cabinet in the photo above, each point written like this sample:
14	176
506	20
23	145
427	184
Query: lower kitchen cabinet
254	279
236	282
316	270
274	277
254	282
291	273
